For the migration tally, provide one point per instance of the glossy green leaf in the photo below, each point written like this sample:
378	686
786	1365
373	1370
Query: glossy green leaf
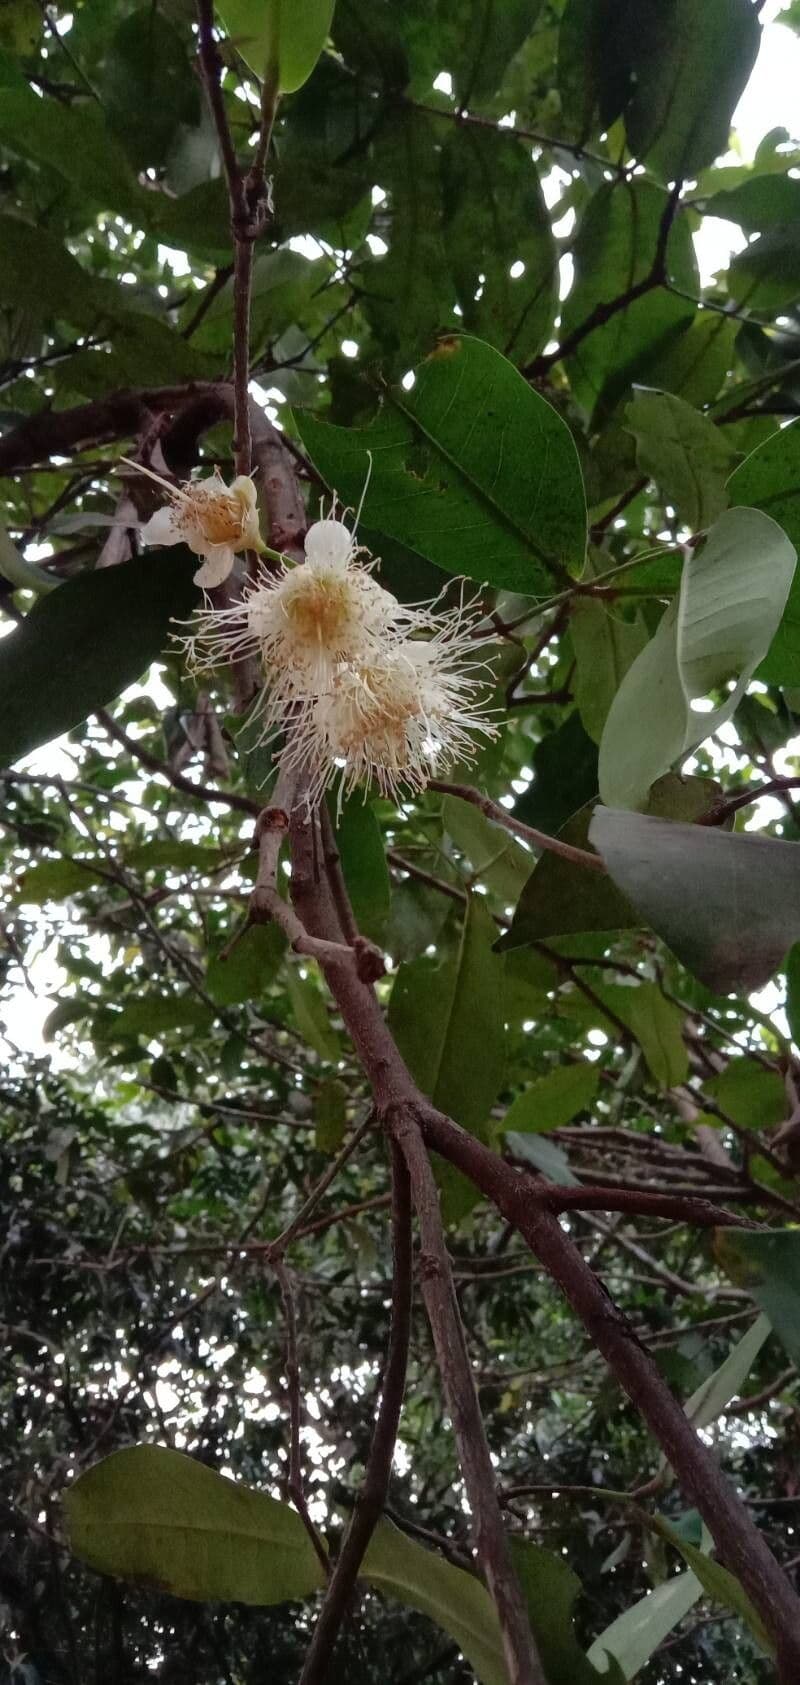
684	453
366	873
471	468
158	1517
311	1015
605	647
733	593
250	966
691	64
555	1099
497	859
81	645
614	250
278	38
767	1263
728	904
769	479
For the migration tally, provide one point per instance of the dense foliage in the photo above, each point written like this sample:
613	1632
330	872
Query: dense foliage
476	306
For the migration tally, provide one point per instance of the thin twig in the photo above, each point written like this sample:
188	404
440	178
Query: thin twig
500	816
372	1497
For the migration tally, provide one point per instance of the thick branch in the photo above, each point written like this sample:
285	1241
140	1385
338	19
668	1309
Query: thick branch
372	1497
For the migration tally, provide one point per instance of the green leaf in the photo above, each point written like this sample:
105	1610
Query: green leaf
81	645
70	139
449	1024
158	1517
769	479
250	967
330	1115
793	992
717	1581
496	219
762	202
687	456
279	38
148	88
55	880
636	1634
749	1093
405	286
455	1600
733	593
560	899
564	765
542	1155
656	1023
555	1099
366	873
153	1016
311	1015
766	275
498	861
448	1020
605	647
165	854
728	904
479	40
614	250
471	469
767	1264
594	49
691	63
712	1396
551	1591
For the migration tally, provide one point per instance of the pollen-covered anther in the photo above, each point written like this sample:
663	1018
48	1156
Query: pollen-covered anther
214	520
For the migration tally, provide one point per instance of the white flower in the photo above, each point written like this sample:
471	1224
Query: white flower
213	519
360	686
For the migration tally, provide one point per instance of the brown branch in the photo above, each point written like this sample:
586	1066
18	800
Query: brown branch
200	792
371	1500
683	1209
726	805
57	432
605	310
537	839
438	1292
249	202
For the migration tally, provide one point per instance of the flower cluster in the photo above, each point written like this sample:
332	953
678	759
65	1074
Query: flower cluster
357	685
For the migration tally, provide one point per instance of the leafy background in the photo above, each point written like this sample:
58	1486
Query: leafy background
184	1105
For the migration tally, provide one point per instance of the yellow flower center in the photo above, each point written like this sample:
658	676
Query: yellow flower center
218	515
320	611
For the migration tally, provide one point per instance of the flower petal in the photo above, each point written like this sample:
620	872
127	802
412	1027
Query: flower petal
216	567
163	527
328	541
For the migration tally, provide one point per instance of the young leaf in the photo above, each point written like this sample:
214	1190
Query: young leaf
728	904
733	594
471	468
159	1517
81	645
278	38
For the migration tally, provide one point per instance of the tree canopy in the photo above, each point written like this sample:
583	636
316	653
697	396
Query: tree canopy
400	1216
